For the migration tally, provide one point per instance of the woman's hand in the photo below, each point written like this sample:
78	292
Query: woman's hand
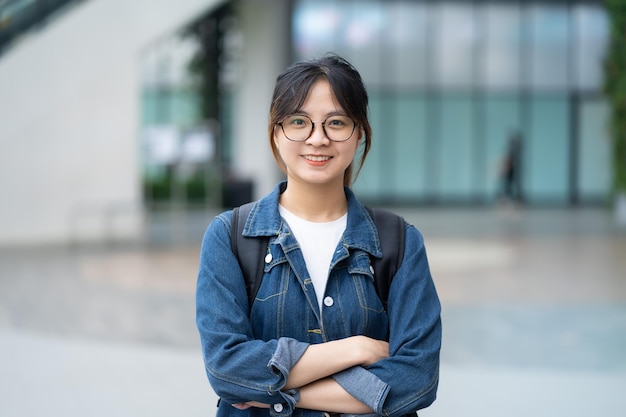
371	350
249	404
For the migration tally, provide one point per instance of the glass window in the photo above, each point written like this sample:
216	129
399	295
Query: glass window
352	29
362	39
406	34
502	25
545	151
315	27
594	161
548	27
455	41
591	41
455	168
397	165
408	155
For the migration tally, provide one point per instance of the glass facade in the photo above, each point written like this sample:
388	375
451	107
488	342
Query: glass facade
178	146
451	81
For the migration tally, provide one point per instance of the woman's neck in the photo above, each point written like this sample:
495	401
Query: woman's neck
313	202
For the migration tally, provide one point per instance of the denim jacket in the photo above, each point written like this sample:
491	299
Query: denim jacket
248	354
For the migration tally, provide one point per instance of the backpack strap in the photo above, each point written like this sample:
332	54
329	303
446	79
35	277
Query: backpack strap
391	232
250	251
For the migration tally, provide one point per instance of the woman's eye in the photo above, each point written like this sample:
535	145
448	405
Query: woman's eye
338	122
297	122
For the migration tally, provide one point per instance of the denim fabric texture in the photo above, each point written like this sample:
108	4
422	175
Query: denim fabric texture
248	355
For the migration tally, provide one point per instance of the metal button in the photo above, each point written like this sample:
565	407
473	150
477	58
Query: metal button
372	269
268	258
326	414
328	301
278	407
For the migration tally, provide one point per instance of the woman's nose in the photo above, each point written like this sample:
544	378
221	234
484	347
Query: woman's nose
318	135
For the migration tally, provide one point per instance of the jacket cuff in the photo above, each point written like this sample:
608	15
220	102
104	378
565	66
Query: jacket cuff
288	352
364	386
285	408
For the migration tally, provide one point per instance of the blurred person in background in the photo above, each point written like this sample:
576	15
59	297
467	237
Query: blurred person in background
317	339
510	169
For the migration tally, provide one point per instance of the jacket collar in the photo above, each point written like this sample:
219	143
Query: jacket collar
360	233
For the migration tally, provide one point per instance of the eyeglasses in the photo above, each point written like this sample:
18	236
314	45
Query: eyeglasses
299	128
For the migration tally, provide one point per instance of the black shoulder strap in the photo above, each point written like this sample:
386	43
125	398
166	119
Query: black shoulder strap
391	232
250	251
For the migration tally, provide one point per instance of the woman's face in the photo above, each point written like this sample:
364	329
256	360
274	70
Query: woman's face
318	160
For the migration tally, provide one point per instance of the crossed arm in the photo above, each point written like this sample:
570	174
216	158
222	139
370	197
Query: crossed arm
312	374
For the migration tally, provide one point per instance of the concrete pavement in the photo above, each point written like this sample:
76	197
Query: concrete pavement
534	314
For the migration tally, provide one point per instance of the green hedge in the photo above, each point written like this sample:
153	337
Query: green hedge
615	89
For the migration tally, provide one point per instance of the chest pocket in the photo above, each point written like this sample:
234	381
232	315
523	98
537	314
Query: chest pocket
281	307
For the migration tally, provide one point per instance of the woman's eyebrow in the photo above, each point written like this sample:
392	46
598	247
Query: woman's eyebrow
329	114
337	113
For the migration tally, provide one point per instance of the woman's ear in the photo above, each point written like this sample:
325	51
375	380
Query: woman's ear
276	143
275	138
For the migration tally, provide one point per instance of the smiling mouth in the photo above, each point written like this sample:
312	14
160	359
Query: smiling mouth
316	158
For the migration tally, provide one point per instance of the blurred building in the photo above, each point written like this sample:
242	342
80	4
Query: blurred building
451	81
112	106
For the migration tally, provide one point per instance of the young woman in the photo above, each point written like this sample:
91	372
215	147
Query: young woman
317	340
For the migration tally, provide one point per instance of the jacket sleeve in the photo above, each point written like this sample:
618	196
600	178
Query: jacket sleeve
412	370
239	368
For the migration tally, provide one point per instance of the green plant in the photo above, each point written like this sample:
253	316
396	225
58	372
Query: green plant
615	89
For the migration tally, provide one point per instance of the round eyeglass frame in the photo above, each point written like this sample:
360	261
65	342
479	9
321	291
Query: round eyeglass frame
313	129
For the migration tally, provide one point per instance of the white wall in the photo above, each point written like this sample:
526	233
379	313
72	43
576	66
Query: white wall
69	119
265	54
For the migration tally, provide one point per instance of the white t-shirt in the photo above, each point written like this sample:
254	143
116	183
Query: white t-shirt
318	242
